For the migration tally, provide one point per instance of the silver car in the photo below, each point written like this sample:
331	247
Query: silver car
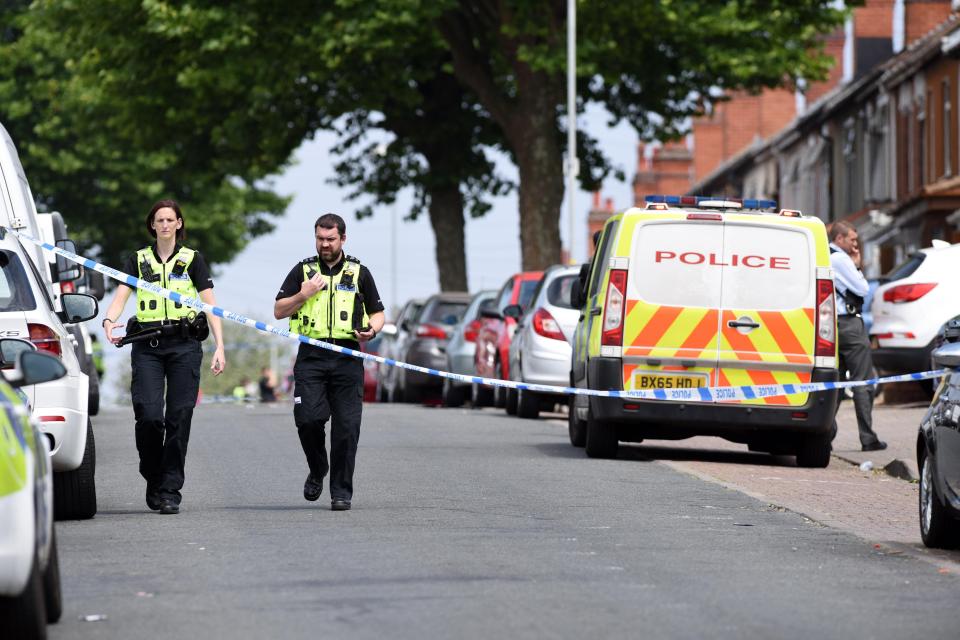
461	347
540	352
395	338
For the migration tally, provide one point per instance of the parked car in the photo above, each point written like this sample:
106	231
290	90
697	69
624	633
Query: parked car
394	340
492	356
910	307
540	350
30	595
370	369
30	308
938	452
691	292
461	347
424	347
867	314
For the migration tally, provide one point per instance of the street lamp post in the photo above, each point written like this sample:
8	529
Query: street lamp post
381	150
572	165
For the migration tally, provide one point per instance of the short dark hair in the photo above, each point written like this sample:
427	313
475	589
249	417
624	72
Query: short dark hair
840	229
167	204
331	221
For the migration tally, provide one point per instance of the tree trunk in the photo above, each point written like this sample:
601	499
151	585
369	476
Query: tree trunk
446	218
540	165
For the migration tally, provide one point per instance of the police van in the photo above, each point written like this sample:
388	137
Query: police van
31	309
691	291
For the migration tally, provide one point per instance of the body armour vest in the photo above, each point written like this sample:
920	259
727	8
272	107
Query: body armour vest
334	311
152	307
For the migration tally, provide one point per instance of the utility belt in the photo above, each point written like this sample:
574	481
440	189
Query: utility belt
349	343
191	327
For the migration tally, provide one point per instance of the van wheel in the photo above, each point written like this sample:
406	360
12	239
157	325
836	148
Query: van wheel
528	404
480	395
814	452
53	599
937	529
513	396
24	616
576	427
74	492
602	441
452	395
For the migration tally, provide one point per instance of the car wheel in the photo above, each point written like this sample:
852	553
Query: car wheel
382	395
814	451
24	616
602	441
575	426
511	404
75	492
452	395
528	404
937	528
93	395
481	395
52	596
499	393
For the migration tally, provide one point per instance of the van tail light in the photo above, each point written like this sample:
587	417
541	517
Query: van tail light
471	331
907	292
427	330
613	310
545	325
44	339
826	320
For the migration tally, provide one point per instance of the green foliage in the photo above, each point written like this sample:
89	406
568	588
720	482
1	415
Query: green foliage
247	352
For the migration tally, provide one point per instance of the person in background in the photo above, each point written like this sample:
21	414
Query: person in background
268	385
852	340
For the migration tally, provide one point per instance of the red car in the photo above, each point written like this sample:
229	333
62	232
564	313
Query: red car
492	356
370	370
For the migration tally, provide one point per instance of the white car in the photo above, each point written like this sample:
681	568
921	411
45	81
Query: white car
29	565
31	309
910	307
540	350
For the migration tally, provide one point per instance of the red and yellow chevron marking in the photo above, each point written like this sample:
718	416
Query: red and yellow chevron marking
670	332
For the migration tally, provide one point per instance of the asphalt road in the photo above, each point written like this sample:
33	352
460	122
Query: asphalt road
466	524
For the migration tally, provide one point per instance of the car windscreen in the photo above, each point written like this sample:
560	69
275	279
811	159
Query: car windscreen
558	293
444	312
527	289
15	291
906	268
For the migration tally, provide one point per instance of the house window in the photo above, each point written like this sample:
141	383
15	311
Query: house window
947	119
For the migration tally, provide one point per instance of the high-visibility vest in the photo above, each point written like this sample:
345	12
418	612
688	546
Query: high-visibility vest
174	276
334	311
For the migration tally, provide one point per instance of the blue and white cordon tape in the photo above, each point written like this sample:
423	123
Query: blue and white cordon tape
698	394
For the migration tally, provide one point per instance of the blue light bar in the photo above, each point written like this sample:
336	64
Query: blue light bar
696	201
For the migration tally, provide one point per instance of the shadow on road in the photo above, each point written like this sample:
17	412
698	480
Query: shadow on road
647	453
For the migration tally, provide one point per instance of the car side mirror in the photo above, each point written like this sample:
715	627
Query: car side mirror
389	329
66	270
77	307
32	366
948	355
491	314
513	311
406	325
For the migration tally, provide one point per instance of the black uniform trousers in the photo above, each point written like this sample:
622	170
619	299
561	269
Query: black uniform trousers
162	435
854	348
329	385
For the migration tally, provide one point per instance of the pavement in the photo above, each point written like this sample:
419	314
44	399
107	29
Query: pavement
896	425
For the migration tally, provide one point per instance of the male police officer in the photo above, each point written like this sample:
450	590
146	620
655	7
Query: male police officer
327	296
854	345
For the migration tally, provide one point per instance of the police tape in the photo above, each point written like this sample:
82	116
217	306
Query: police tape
694	394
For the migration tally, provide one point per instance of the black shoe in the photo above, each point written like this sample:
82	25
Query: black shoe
340	504
879	445
153	501
169	507
313	487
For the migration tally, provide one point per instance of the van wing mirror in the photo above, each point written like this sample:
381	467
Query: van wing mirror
10	348
66	270
35	367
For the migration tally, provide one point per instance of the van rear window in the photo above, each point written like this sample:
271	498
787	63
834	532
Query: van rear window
15	291
770	267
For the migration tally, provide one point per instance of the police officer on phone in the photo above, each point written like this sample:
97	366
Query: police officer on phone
329	296
853	343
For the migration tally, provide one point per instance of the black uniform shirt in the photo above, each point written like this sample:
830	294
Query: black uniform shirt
198	270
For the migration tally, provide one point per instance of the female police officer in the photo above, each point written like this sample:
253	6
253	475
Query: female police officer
173	356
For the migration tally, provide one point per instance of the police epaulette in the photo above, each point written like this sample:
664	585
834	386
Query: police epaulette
350	258
309	259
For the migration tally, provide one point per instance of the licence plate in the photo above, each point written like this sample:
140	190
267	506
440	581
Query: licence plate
667	381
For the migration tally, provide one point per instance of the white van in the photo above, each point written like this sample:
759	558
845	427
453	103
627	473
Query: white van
28	309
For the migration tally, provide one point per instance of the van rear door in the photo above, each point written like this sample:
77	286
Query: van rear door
671	333
768	297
